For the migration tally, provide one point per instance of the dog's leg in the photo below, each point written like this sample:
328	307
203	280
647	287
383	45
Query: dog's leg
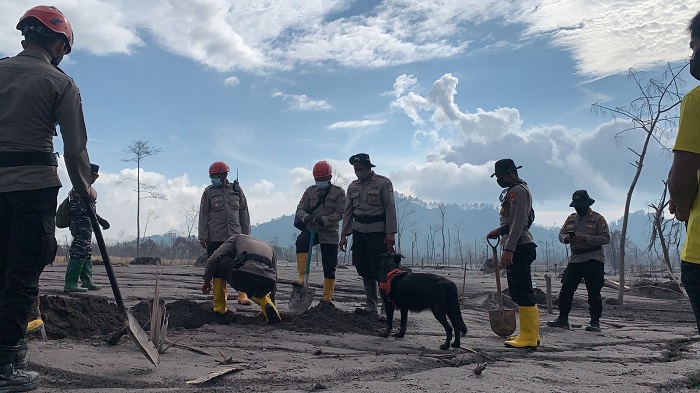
441	316
389	312
460	329
402	327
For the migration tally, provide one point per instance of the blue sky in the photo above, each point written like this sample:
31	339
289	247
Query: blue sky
435	92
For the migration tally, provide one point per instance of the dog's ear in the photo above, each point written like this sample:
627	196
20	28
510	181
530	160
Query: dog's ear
397	258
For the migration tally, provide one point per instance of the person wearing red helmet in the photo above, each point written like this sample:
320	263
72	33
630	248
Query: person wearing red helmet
223	212
35	96
320	210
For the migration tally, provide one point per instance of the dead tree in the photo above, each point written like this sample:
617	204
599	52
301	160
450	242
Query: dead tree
404	211
138	150
441	209
654	112
663	232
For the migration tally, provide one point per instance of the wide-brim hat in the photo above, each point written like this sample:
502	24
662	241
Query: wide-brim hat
361	158
94	168
504	166
581	199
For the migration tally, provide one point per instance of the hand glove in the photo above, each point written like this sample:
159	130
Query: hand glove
307	220
318	222
103	223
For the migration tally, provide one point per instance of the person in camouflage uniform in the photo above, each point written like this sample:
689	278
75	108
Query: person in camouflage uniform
80	262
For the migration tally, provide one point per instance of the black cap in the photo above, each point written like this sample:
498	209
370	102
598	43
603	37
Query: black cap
94	168
581	199
361	158
504	166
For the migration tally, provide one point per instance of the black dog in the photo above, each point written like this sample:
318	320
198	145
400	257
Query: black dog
405	290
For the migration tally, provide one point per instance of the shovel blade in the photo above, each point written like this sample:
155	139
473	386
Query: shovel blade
141	339
301	299
502	322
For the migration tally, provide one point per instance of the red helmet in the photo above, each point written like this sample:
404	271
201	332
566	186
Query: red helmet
218	167
322	169
52	18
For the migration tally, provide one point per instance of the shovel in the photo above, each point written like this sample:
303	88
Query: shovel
131	324
502	320
303	296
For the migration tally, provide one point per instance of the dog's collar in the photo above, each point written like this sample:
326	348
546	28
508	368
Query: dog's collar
389	277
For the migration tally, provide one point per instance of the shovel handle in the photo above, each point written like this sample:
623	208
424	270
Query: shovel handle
308	258
105	258
497	268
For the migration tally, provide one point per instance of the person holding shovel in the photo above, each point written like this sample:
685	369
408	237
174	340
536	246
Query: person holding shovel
80	262
518	250
35	96
586	232
223	211
249	265
320	210
370	217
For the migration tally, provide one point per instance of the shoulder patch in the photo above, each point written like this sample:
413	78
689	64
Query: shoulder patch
512	196
603	223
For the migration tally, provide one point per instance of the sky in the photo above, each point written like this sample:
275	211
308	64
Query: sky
434	91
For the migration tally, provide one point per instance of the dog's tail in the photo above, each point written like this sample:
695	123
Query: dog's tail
455	313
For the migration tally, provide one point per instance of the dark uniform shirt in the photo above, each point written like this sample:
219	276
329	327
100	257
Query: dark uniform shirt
594	228
34	97
515	210
237	244
223	212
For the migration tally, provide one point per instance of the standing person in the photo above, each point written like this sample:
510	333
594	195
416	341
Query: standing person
683	177
80	262
370	217
34	96
518	250
320	209
223	212
248	265
586	232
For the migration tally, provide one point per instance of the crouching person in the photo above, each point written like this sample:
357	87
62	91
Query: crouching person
249	265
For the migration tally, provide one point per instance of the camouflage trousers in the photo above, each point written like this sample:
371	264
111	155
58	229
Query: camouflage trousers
81	246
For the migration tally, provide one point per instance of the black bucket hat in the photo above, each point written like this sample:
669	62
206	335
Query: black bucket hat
504	166
581	199
361	158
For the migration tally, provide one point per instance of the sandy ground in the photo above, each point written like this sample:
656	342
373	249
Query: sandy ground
647	345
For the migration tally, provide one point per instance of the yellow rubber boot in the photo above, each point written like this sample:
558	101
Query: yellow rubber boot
328	287
301	266
34	325
243	299
220	295
529	328
270	312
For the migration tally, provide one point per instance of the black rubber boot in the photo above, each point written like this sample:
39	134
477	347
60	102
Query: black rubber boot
593	327
560	322
12	380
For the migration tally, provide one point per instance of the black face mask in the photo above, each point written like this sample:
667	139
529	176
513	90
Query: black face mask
503	183
582	211
695	67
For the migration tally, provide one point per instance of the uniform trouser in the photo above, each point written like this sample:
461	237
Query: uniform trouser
27	244
519	276
81	246
690	278
366	248
252	284
593	272
212	246
329	253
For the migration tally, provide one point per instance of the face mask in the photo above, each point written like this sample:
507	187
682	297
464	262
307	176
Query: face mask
503	183
695	67
582	211
362	175
216	182
323	184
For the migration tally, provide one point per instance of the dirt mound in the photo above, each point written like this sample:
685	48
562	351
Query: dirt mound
145	261
325	317
82	317
658	290
188	314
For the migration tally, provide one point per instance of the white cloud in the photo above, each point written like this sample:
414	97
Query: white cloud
301	102
232	81
355	124
403	83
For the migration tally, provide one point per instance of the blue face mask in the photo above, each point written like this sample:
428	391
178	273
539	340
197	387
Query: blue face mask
216	182
323	184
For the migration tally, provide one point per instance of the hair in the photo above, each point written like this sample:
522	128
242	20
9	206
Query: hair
694	26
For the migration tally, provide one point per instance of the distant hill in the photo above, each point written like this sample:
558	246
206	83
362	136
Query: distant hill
474	221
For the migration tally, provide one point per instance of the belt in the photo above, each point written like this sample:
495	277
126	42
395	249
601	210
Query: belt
27	158
250	256
580	251
369	219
